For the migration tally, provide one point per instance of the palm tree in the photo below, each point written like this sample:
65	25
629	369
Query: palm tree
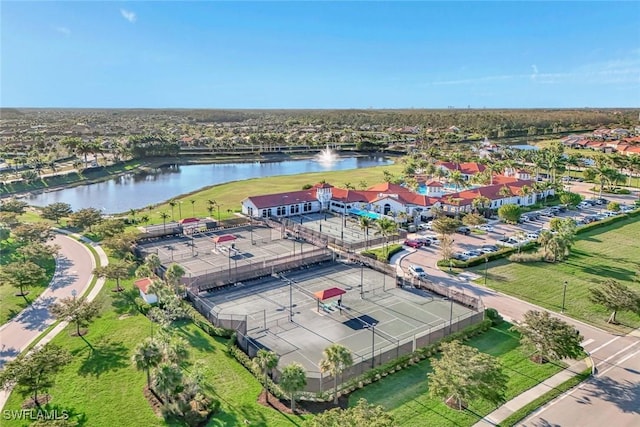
457	157
336	359
167	379
504	191
481	203
164	217
267	360
146	356
173	276
365	224
293	379
173	204
457	179
385	228
193	208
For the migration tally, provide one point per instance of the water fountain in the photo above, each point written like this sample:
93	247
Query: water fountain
327	155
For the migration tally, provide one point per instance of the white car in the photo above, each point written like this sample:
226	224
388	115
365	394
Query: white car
432	238
417	271
485	227
425	226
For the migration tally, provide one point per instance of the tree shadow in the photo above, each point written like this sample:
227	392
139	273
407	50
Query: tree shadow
542	423
624	394
197	339
104	357
35	316
61	411
8	353
125	302
63	277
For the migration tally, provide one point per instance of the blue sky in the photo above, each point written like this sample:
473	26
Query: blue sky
320	54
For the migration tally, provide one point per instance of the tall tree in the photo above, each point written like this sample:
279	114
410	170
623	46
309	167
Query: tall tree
173	276
33	232
266	360
365	224
548	337
117	271
292	380
336	358
167	379
56	211
35	370
86	218
76	310
463	373
22	274
386	227
615	296
147	356
510	213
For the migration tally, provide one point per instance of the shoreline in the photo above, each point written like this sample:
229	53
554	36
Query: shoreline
154	163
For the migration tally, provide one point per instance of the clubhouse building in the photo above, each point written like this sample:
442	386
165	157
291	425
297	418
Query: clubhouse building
399	202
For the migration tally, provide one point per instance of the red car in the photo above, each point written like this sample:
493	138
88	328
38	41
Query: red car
413	243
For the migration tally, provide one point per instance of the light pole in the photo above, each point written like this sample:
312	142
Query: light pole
486	265
74	293
373	343
564	295
361	281
180	209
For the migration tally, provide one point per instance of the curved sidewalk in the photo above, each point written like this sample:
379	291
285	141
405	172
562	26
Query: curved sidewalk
74	273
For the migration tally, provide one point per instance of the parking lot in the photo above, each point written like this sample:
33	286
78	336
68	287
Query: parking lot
496	234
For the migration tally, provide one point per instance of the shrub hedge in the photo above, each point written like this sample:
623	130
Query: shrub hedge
443	263
607	221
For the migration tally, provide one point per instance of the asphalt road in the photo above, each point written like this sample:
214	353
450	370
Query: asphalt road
73	273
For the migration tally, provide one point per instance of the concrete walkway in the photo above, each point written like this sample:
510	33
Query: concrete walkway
532	394
74	274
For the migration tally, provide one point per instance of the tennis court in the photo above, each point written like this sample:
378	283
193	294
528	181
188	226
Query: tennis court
229	250
375	319
346	228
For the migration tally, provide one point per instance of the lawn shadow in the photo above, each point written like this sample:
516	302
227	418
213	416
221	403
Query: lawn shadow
125	302
197	339
624	394
250	416
61	410
542	423
106	356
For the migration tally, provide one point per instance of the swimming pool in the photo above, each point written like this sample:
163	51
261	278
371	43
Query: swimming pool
367	214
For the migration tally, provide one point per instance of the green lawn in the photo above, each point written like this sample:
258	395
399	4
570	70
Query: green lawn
10	304
105	389
611	251
404	393
230	195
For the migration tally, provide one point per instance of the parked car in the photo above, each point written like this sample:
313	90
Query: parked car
464	230
412	243
487	249
425	225
460	256
532	236
433	239
425	241
417	271
584	205
485	227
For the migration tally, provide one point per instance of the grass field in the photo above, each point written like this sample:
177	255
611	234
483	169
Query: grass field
404	394
104	389
612	251
230	195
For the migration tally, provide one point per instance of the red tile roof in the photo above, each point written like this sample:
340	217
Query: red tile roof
387	187
469	168
329	293
281	199
143	284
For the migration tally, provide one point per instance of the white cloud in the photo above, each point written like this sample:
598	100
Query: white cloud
534	68
128	15
62	30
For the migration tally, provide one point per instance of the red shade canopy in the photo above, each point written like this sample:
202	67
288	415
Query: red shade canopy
224	238
329	293
189	220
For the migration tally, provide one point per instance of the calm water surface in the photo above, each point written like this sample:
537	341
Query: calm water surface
135	191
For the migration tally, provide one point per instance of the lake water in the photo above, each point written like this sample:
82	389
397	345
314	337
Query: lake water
135	191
